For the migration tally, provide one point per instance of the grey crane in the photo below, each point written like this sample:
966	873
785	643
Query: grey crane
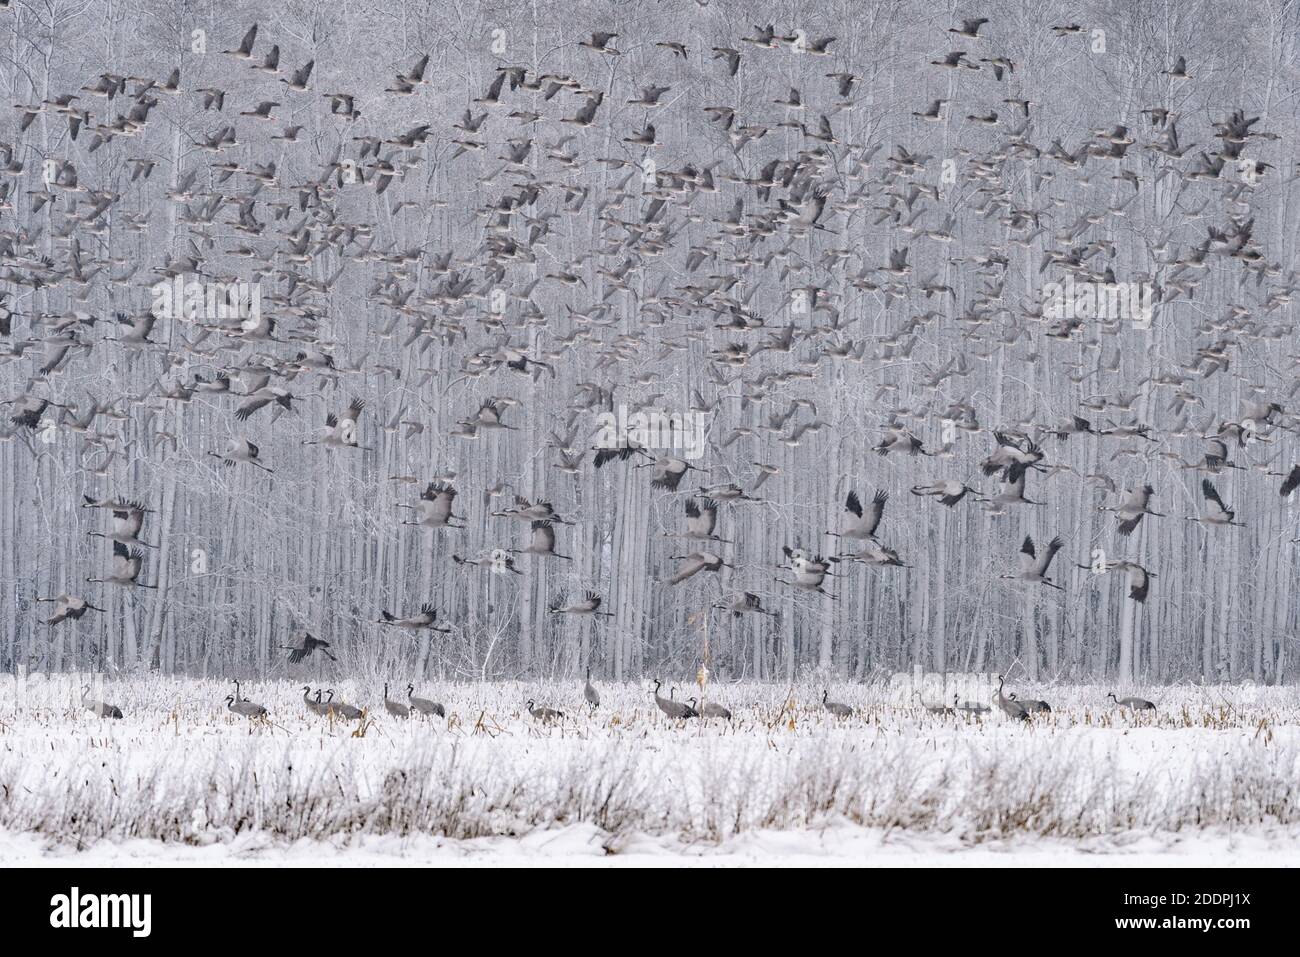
940	709
125	526
862	525
541	542
527	511
668	471
310	644
600	43
1129	512
970	27
280	400
694	563
68	608
836	708
588	605
100	708
434	509
489	415
238	704
543	713
1009	707
424	705
932	113
742	603
423	621
1215	513
124	567
948	491
1291	481
315	706
671	707
112	504
1216	457
590	693
1012	488
701	520
710	709
340	431
1032	705
1139	579
1033	567
341	708
726	492
875	554
1132	703
498	561
241	450
970	707
395	708
1011	450
245	49
808	573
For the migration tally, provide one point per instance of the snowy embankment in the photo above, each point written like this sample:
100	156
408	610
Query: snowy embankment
584	845
1215	773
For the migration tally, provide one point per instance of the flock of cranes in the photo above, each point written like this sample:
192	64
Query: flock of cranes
795	214
322	702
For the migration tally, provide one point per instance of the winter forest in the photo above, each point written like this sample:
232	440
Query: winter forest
504	341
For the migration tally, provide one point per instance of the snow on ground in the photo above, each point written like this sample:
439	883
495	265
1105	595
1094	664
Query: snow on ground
1209	780
581	845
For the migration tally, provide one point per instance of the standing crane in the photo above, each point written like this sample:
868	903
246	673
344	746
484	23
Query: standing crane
395	708
839	709
424	705
1010	708
1133	704
671	707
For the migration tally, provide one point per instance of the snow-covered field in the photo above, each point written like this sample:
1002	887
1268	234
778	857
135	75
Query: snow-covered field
1212	779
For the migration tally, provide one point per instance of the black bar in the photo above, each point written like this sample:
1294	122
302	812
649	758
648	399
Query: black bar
955	906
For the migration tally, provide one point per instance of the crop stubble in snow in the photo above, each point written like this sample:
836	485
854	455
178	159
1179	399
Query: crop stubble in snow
179	768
